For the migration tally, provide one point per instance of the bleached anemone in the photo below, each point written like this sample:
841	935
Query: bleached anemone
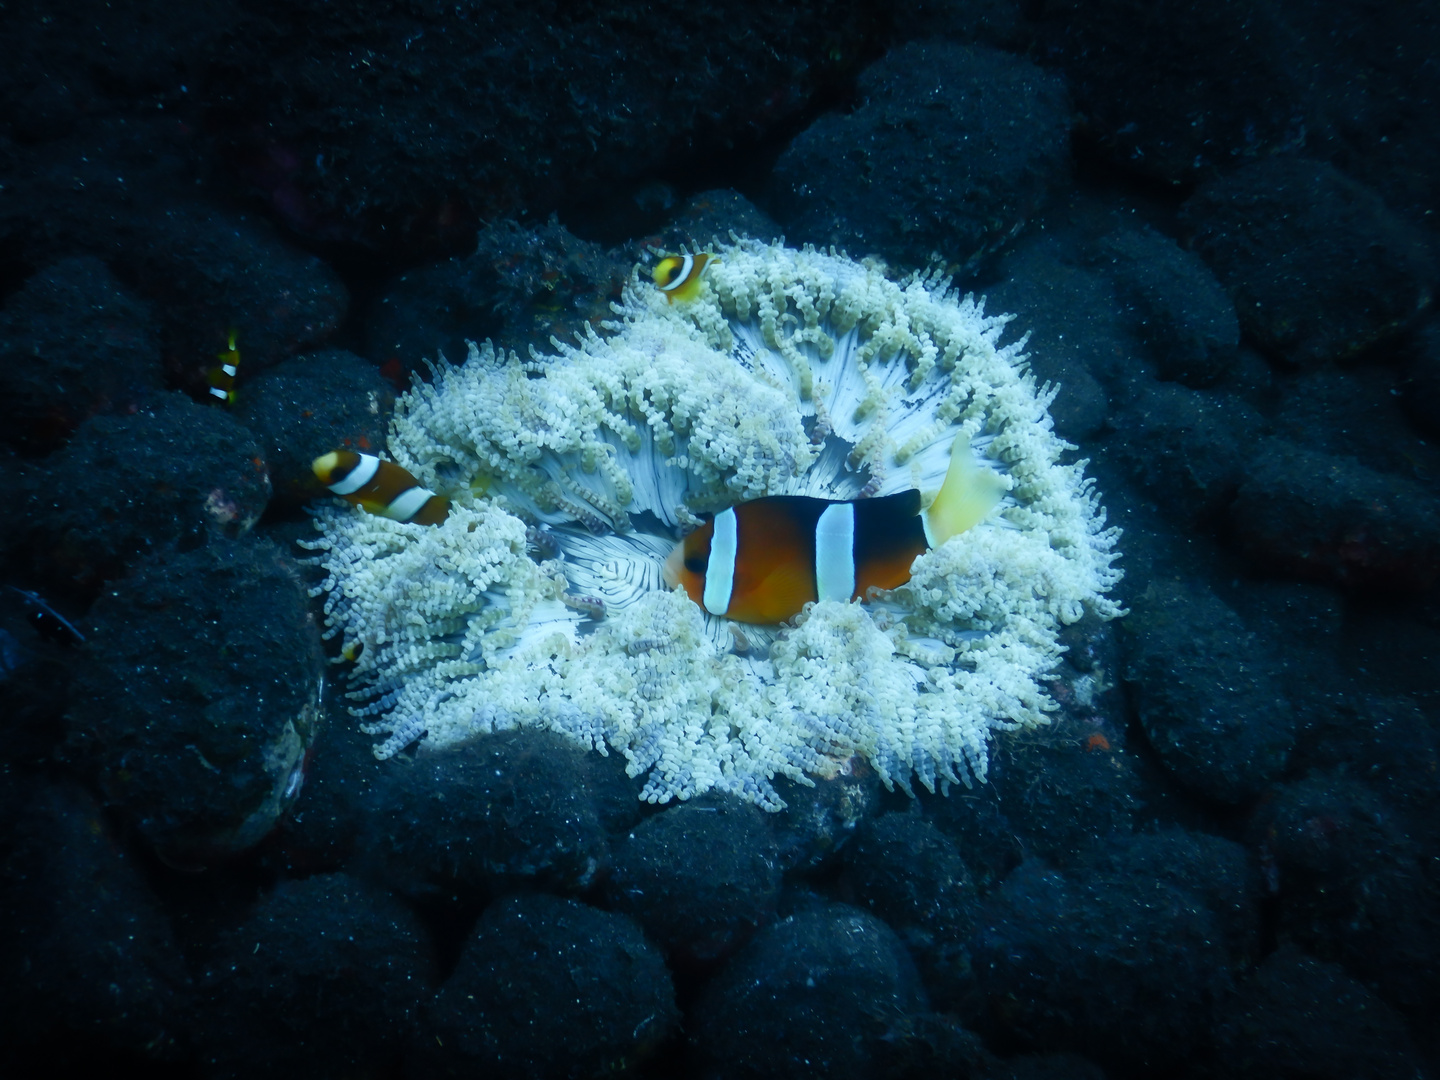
539	600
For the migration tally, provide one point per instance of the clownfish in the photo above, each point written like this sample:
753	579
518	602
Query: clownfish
764	560
222	377
678	276
381	487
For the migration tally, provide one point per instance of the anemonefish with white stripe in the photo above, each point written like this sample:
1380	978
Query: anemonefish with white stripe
763	561
381	487
222	377
678	276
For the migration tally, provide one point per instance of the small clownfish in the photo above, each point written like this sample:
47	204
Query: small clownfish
678	276
381	487
763	561
222	376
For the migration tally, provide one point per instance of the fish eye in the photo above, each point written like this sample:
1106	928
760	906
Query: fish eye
696	563
670	270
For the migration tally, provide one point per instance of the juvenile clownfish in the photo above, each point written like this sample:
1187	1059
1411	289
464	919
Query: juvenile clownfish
678	276
762	561
222	376
381	487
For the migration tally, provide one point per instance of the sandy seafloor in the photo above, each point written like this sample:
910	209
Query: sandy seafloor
1217	223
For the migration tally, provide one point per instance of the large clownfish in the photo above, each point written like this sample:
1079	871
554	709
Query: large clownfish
381	487
678	276
762	561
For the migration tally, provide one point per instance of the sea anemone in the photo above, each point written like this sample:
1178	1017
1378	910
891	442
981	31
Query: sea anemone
539	600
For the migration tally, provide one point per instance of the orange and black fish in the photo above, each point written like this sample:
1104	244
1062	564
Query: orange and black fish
222	376
764	560
381	487
678	276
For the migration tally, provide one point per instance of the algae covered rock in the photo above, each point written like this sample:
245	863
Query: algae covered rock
200	697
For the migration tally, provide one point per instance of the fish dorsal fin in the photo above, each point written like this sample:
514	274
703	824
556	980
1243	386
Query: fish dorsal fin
969	493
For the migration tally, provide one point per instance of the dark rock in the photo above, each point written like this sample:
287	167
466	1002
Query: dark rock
49	111
321	832
906	871
1300	1017
119	57
325	978
617	215
1112	962
309	406
1155	544
1251	378
462	116
16	794
89	968
1047	1067
542	281
209	273
1385	737
700	877
712	216
73	343
98	190
1186	448
124	189
200	696
817	994
36	655
510	810
820	817
429	311
1370	68
1420	390
1319	268
1357	413
125	486
934	1044
1205	691
1354	885
1051	792
521	286
1078	338
549	987
951	151
1297	617
1310	514
1182	313
1218	872
614	793
988	22
1174	91
977	824
1393	645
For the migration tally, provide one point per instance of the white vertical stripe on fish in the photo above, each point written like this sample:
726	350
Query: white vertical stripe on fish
358	477
408	503
720	572
682	277
835	552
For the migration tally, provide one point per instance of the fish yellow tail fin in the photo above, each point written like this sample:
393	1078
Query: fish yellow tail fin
970	491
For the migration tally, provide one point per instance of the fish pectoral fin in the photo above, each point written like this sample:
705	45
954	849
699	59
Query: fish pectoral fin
672	570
